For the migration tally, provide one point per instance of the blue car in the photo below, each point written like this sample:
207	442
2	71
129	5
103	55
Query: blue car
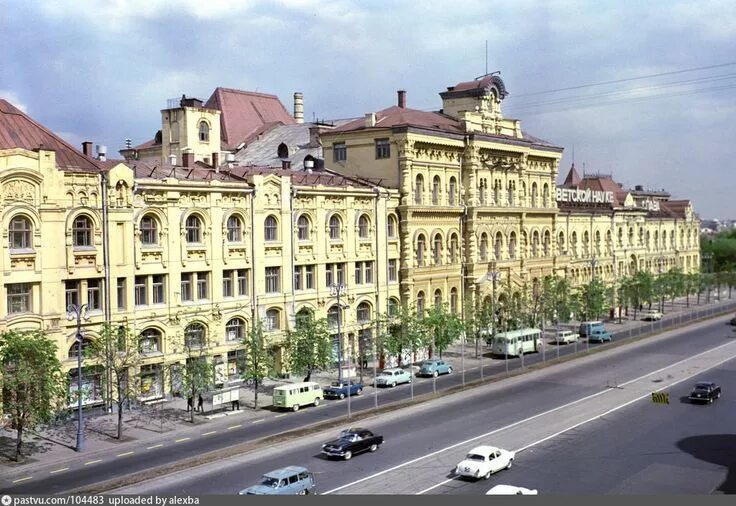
434	368
339	390
599	336
291	480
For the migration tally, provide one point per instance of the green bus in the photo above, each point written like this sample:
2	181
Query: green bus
516	342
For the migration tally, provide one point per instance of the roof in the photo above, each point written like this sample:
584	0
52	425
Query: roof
573	178
285	472
18	130
484	449
476	87
244	112
404	116
676	208
263	149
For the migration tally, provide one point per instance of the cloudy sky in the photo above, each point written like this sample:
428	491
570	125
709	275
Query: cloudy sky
643	90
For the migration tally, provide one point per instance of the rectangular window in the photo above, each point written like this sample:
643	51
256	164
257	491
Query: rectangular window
141	290
309	277
202	289
242	275
339	152
368	273
186	286
159	289
392	270
329	274
383	148
298	277
340	268
121	293
19	298
358	273
273	283
227	283
72	293
94	295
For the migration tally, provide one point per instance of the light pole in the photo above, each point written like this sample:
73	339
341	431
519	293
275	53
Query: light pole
337	290
494	276
79	312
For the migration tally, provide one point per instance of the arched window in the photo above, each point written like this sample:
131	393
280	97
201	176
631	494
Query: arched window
235	330
496	192
270	229
483	246
534	194
393	307
418	190
392	226
194	335
482	192
149	341
19	233
453	249
304	316
282	151
453	300
535	244
193	227
335	227
631	236
497	245
204	131
561	243
586	243
333	313
598	242
437	298
451	191
420	250
620	237
512	245
436	191
363	312
234	229
437	249
545	195
420	305
74	348
82	231
510	193
574	244
302	226
273	319
363	227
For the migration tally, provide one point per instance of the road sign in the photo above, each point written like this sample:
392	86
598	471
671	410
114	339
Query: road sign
660	397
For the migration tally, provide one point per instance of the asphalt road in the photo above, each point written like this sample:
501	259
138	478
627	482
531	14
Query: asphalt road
425	442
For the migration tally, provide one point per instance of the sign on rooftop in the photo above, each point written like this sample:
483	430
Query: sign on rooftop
586	196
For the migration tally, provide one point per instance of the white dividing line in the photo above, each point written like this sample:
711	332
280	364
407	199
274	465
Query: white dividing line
258	421
282	414
209	433
59	470
22	479
538	415
154	446
182	440
92	462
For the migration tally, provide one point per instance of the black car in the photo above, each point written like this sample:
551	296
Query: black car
705	391
352	441
732	321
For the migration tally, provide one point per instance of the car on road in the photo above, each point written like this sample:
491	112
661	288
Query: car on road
599	336
705	391
434	368
340	389
733	321
587	328
291	480
651	315
565	337
511	490
392	377
352	441
483	461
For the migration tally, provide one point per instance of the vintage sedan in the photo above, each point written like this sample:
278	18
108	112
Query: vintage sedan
393	377
483	461
352	441
599	336
705	392
651	315
340	389
434	368
511	490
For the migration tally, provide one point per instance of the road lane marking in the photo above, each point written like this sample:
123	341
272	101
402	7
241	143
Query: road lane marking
22	479
234	427
282	414
155	446
258	421
92	462
59	470
124	454
182	440
208	433
533	417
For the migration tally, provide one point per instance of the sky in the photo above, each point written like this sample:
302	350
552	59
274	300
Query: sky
641	90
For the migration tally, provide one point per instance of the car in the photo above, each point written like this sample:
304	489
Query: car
352	441
290	480
565	337
587	328
732	321
392	377
705	391
599	336
651	315
511	490
483	461
434	368
340	389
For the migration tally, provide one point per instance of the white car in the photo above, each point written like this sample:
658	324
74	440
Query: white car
483	461
511	490
565	337
651	314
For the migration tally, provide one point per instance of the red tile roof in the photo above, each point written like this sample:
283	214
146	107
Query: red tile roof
400	116
573	178
18	130
244	112
676	208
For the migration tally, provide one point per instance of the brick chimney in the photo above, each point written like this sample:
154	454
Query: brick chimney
87	148
286	164
188	157
370	119
402	98
298	107
216	161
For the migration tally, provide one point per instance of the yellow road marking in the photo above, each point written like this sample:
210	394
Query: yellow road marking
22	479
155	446
257	421
234	427
208	433
124	454
59	470
92	462
182	439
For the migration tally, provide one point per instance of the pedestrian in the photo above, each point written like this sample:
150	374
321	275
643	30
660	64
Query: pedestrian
236	405
189	404
364	360
200	404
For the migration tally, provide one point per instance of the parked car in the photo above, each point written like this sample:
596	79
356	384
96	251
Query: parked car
434	368
599	336
393	377
291	480
340	390
651	315
510	490
295	395
565	337
705	391
352	441
483	461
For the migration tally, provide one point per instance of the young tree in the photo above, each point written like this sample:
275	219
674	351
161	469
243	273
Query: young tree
258	362
33	386
592	297
117	350
443	325
402	331
309	346
197	374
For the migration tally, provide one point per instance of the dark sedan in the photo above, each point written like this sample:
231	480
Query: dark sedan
352	441
339	390
705	391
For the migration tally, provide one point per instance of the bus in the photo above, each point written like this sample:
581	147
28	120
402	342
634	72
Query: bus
515	342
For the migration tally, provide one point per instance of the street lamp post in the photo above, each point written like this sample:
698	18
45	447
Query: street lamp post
79	312
494	276
337	290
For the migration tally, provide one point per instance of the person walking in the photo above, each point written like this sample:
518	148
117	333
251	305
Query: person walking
189	404
200	404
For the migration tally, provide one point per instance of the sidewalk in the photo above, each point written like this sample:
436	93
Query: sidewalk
52	448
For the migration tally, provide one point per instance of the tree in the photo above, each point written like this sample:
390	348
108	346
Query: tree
197	374
443	325
402	331
33	386
592	299
258	362
309	345
117	349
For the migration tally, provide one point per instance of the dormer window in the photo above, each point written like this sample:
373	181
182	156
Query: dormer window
204	131
282	151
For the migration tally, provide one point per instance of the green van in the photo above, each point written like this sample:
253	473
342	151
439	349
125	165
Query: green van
296	395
